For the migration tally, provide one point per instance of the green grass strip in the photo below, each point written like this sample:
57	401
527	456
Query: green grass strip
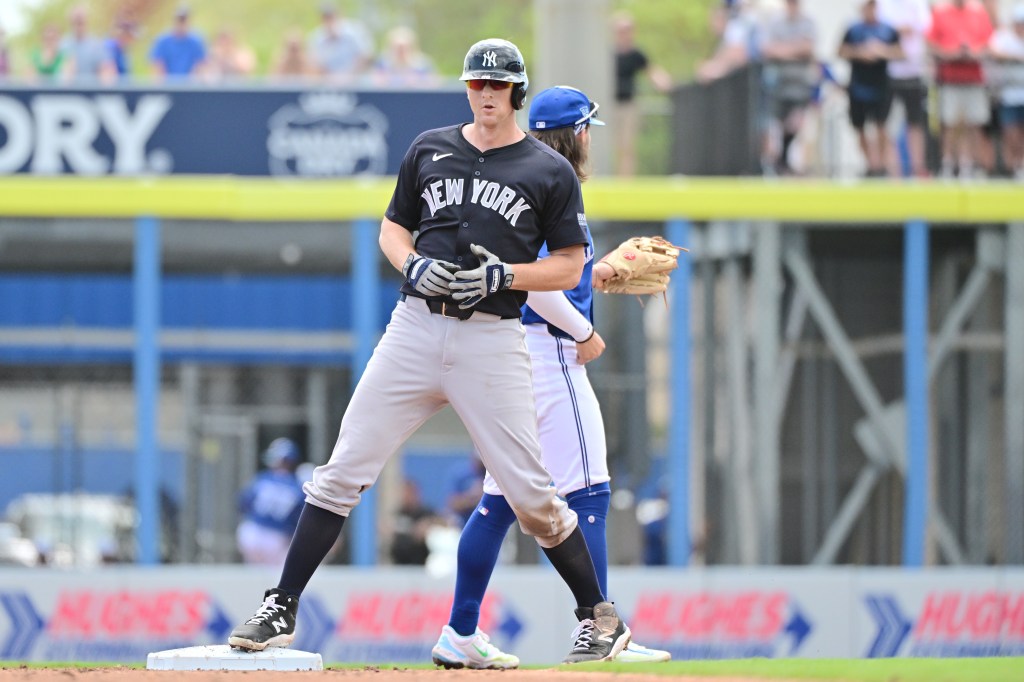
846	670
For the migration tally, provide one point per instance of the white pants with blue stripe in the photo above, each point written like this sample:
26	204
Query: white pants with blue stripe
571	429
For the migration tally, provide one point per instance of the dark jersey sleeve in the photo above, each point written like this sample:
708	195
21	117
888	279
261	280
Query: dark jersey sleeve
404	207
564	213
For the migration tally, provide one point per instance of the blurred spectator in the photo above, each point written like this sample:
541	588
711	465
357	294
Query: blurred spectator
1007	49
118	45
270	506
630	61
958	39
911	19
734	25
791	76
229	58
467	488
402	64
413	521
869	45
341	48
85	58
991	132
47	57
179	52
292	61
652	516
5	56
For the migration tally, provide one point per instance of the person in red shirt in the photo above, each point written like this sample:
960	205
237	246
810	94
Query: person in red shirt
958	40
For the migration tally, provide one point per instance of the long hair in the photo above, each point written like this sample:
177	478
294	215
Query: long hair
568	144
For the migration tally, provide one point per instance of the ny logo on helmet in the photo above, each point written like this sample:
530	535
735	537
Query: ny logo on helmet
491	58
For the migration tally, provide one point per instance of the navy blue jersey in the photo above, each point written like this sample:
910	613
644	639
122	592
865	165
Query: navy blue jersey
869	81
510	200
581	297
273	500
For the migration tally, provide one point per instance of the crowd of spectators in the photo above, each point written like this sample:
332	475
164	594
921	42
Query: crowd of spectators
956	66
339	49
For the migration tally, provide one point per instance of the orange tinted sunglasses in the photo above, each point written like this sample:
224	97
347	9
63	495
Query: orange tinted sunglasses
479	83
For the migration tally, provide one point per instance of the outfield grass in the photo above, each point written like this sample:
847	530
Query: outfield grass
847	670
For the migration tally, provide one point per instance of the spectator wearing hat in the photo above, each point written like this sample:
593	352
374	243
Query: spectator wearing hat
180	52
341	48
1007	50
270	506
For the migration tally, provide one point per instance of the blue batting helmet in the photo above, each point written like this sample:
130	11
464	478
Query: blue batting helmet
281	451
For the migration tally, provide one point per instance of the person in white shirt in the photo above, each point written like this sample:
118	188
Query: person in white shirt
911	19
1006	48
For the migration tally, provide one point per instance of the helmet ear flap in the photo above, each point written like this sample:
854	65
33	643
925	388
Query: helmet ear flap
518	96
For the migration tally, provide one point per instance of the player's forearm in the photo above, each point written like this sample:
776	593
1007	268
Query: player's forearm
395	242
561	270
556	309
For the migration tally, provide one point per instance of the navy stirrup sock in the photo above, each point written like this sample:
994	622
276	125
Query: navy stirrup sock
479	546
316	533
591	507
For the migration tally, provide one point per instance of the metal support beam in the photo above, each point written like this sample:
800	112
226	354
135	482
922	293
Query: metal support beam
146	376
679	546
767	454
1013	519
744	487
915	368
849	363
365	297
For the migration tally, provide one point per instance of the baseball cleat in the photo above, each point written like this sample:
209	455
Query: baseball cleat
600	636
635	653
273	624
473	651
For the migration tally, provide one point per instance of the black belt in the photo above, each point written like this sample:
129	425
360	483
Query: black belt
440	306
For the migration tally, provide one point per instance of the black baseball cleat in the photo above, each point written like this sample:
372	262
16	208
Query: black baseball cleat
273	624
600	636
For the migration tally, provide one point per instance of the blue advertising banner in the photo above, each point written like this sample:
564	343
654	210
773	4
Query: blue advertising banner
269	131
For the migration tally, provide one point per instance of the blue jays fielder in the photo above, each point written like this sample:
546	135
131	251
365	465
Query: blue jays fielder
561	338
482	198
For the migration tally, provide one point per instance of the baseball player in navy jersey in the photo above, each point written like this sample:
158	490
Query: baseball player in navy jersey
561	339
483	198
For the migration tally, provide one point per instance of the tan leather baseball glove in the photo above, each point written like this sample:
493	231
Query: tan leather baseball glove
642	266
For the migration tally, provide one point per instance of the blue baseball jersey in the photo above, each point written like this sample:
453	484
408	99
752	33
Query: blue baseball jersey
581	296
273	500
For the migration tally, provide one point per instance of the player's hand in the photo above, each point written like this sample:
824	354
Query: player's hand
590	349
491	276
428	276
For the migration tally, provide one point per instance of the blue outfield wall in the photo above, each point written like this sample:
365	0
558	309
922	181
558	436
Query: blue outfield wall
189	303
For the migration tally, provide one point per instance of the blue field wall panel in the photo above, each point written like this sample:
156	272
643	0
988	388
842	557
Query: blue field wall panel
230	303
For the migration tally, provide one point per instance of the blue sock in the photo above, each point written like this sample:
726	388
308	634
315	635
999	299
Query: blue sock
479	545
591	506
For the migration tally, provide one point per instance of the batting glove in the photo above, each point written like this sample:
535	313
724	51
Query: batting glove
428	276
491	276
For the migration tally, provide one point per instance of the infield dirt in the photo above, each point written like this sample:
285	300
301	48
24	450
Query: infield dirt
375	673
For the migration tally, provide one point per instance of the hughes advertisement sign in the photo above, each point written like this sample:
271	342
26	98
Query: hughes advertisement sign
278	132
